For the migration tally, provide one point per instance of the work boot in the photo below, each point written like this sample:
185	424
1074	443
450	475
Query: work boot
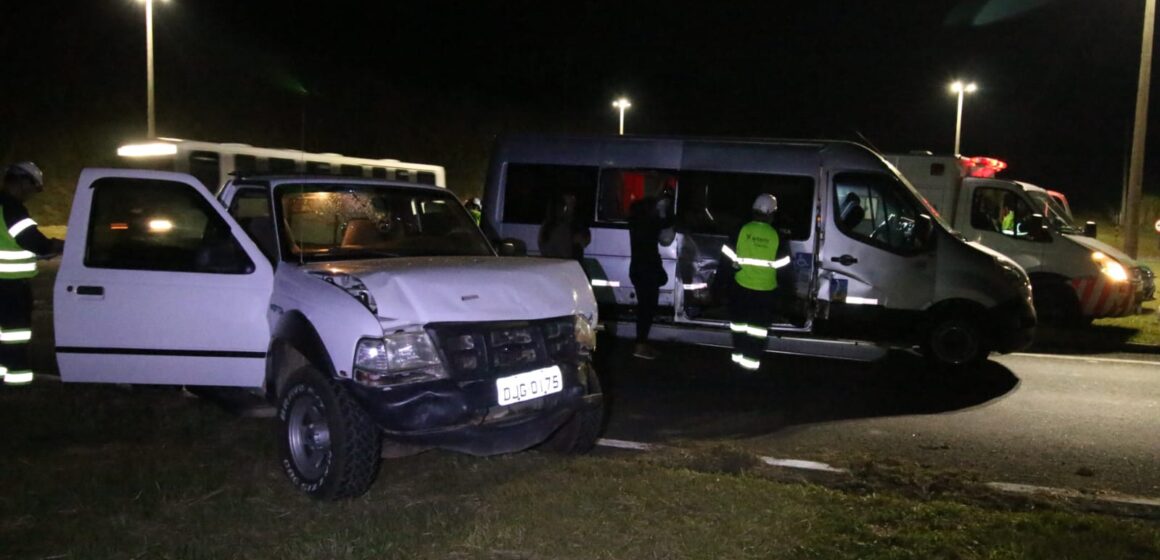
644	351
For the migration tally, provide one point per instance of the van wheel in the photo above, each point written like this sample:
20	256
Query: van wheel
1056	304
955	341
580	432
329	446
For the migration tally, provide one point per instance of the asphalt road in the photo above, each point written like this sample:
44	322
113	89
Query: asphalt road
1063	421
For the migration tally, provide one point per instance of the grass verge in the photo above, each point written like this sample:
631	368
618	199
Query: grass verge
99	472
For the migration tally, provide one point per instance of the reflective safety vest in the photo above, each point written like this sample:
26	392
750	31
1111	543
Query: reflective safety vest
15	262
756	245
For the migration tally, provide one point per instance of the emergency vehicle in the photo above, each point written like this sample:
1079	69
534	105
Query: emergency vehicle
1074	277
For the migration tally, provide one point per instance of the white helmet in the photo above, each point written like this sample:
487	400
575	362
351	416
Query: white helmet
28	170
765	204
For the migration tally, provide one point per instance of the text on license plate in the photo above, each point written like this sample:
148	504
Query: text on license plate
530	385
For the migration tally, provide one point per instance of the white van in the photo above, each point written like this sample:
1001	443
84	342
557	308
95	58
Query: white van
1075	278
873	266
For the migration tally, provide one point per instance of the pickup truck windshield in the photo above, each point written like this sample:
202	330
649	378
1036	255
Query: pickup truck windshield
324	222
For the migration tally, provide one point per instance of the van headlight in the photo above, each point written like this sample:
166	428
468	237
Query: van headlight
1110	267
397	359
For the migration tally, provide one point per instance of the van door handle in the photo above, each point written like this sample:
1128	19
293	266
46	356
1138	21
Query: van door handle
90	290
844	260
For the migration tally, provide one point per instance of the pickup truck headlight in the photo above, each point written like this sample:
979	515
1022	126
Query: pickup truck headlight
1110	267
397	359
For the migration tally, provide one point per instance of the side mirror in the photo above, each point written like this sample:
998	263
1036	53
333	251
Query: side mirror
1089	229
1036	228
512	247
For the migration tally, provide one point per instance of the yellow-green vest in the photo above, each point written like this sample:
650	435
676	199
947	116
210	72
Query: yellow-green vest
15	262
758	240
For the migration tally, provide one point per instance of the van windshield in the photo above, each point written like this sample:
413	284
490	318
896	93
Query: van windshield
323	222
1054	213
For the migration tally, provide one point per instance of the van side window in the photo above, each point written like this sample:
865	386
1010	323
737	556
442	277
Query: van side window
619	188
876	209
1000	210
719	203
142	224
530	189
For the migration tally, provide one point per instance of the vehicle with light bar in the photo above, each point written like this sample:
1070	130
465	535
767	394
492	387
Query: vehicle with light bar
871	267
374	315
1074	277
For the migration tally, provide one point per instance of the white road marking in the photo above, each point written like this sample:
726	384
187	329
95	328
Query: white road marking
1009	487
1089	359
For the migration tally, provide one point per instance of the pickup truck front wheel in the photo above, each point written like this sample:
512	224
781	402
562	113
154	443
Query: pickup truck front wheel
329	446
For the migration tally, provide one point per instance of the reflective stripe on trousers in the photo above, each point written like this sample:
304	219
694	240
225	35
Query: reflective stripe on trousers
15	336
746	362
751	330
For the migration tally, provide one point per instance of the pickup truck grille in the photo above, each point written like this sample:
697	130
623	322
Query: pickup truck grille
483	350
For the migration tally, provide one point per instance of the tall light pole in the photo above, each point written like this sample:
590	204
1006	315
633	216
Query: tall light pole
961	89
1136	165
151	105
621	104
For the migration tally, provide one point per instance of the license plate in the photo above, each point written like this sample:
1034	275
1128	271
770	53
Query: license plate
527	386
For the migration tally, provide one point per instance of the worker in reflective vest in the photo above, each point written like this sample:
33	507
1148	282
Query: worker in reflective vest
751	303
21	243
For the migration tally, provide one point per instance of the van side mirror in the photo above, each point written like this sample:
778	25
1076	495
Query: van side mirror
1089	229
512	247
1036	228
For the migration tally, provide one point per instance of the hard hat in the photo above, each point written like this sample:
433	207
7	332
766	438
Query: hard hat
477	202
28	170
765	204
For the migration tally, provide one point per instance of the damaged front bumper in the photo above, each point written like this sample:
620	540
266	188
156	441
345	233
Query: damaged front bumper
464	415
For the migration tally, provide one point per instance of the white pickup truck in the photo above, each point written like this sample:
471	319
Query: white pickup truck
369	312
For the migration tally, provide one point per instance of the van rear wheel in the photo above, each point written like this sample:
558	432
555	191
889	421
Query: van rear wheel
955	341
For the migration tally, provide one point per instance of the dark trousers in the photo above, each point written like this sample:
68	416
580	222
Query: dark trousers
647	296
750	314
15	320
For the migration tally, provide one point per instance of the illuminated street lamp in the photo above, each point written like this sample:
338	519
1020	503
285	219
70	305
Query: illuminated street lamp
152	118
961	89
621	104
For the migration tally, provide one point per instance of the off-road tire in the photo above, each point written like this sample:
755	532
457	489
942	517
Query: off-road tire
579	433
329	447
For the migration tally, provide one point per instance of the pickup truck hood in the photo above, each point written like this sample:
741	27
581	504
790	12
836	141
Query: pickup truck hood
421	290
1097	245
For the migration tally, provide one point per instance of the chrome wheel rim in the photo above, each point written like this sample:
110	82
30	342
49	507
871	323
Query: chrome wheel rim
308	436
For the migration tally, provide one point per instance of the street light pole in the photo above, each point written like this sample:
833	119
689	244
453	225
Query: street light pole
961	89
150	103
621	104
1136	165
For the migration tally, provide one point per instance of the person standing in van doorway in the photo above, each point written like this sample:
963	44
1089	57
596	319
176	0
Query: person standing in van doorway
752	304
561	235
650	225
21	243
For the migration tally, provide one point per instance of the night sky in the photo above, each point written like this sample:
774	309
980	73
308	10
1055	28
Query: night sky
437	81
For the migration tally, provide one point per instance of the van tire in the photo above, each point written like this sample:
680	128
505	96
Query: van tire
955	340
329	447
1056	304
579	433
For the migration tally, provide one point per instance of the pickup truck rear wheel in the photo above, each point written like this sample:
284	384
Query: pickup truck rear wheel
329	446
579	433
955	340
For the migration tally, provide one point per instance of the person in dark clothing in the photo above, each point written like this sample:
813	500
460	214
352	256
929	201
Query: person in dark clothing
562	236
21	243
650	223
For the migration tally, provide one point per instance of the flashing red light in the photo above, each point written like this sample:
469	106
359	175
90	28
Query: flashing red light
985	167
